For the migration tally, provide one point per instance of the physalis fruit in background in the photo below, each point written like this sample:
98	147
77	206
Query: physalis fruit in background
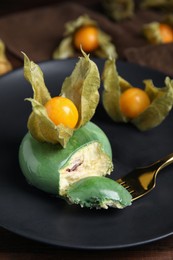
155	109
158	33
84	33
5	65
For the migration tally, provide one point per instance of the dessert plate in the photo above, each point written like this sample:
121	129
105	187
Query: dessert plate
42	217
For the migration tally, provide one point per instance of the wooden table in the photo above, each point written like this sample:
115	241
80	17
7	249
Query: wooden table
13	246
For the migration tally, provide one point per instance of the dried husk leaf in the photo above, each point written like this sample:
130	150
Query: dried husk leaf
66	48
34	75
152	33
5	65
39	124
161	99
119	10
159	4
161	104
82	88
106	47
83	20
113	86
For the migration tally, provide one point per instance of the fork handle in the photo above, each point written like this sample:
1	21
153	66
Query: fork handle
163	162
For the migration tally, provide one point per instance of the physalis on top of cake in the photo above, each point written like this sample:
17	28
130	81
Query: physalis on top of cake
66	154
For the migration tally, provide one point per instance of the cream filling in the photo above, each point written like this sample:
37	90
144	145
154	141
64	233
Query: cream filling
87	161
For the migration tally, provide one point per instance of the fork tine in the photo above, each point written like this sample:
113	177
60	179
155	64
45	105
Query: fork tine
142	180
126	186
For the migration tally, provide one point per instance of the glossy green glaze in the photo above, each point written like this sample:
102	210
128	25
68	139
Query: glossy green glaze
99	192
41	162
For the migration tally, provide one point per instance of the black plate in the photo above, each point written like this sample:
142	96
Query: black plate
36	215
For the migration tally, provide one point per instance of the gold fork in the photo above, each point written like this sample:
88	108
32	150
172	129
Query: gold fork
142	180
